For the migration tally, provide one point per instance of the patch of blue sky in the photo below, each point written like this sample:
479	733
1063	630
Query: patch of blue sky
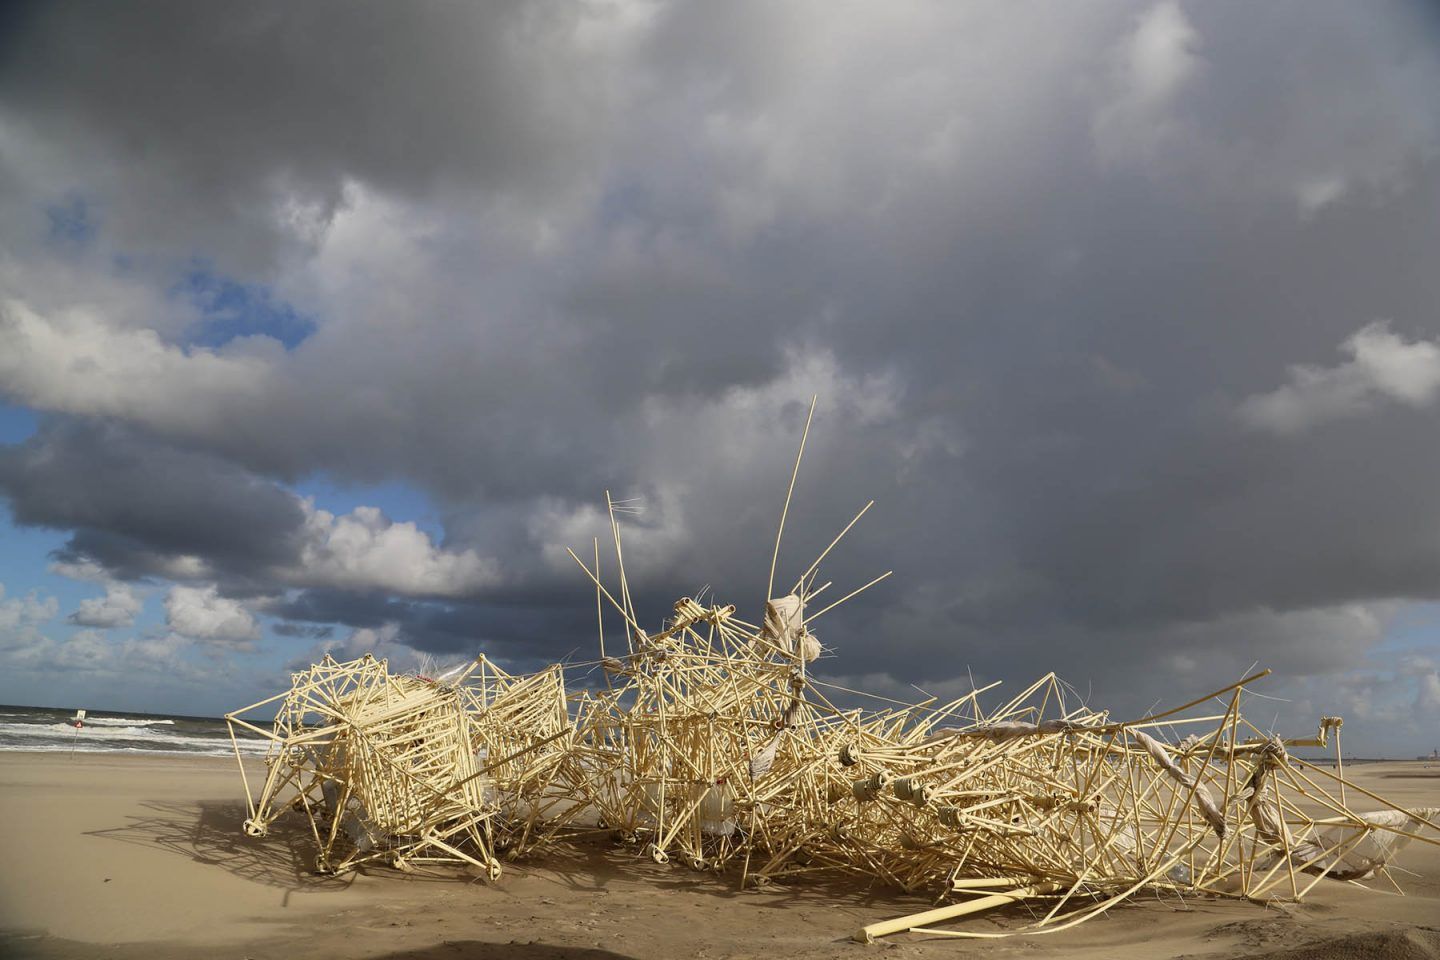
25	562
230	309
24	550
278	655
17	424
400	502
70	223
1414	627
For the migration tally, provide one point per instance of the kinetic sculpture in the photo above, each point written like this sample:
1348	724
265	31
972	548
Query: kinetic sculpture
407	769
712	742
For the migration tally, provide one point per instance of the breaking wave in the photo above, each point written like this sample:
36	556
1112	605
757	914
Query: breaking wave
48	730
126	722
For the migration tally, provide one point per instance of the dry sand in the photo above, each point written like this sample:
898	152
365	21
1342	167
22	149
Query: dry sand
140	857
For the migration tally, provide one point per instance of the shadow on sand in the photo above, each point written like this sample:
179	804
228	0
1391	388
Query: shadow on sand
480	950
210	832
597	864
49	948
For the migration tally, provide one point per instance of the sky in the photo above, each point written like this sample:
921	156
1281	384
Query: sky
327	327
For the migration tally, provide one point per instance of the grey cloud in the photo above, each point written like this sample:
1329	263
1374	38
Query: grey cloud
1382	367
1032	281
256	116
548	626
138	503
141	507
306	631
118	608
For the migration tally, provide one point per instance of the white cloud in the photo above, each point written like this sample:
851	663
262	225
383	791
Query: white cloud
746	423
201	613
118	608
184	567
74	361
1150	68
1382	366
1319	192
26	611
86	570
385	643
1179	106
904	168
1427	696
92	652
1390	704
1159	56
366	550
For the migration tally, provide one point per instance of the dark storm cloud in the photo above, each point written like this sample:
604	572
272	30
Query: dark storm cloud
1034	258
136	505
347	607
527	632
224	113
306	631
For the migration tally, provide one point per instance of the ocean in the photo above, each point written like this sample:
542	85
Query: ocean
48	729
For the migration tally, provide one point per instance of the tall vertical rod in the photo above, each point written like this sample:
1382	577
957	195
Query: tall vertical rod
775	557
620	561
600	614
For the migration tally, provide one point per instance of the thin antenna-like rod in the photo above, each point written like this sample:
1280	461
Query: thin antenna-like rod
613	602
600	611
837	539
1193	703
599	608
775	557
620	561
847	596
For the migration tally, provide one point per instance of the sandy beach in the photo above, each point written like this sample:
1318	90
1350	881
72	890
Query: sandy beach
131	857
